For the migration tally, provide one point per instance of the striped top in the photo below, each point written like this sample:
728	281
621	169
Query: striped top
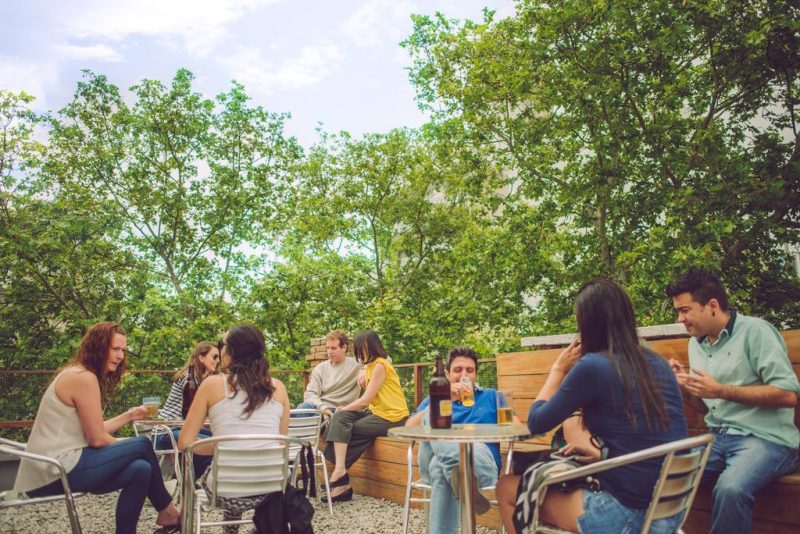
172	409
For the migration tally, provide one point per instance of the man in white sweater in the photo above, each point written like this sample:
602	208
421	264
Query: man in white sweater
333	383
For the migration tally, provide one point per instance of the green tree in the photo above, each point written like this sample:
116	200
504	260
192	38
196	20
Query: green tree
642	136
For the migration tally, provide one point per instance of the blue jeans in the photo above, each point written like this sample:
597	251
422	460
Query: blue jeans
306	406
745	464
199	461
602	514
129	465
436	461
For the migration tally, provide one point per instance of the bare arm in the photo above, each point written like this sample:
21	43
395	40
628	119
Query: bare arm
695	402
416	419
136	413
375	383
281	396
568	358
82	390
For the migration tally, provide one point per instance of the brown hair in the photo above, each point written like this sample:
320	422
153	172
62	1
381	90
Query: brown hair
340	336
92	354
367	346
462	352
201	349
248	367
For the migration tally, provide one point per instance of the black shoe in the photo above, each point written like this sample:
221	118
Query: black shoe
344	481
342	497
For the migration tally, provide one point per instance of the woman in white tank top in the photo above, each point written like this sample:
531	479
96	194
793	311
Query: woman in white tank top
243	399
69	426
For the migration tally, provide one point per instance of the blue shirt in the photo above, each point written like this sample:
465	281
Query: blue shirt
594	385
483	412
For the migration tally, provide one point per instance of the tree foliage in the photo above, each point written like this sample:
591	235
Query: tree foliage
573	139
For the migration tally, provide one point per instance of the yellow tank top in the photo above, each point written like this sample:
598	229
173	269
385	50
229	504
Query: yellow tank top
389	403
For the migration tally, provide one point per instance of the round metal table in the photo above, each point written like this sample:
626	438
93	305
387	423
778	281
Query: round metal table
465	435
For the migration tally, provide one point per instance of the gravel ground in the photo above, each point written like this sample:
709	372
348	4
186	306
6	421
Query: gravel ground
96	512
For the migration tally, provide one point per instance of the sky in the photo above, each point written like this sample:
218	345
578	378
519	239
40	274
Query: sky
334	62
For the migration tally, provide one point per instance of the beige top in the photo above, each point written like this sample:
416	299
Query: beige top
57	433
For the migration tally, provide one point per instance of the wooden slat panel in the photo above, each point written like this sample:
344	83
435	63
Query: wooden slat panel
792	339
522	386
531	362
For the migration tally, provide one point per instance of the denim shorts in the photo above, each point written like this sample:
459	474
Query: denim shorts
602	514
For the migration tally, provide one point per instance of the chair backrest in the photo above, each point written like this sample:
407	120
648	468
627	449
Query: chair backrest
10	499
679	478
681	470
246	465
304	424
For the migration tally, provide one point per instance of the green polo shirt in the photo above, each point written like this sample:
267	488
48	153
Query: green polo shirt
749	351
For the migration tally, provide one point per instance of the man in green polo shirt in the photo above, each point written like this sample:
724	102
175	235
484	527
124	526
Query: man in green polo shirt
742	379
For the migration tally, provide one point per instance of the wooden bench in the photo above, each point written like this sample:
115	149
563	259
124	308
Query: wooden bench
776	509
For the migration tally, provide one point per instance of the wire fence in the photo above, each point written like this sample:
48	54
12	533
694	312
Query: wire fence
21	390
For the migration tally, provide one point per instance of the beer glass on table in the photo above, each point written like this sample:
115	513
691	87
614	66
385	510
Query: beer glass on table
505	407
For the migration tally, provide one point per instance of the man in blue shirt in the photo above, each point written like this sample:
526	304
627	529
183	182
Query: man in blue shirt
742	380
438	460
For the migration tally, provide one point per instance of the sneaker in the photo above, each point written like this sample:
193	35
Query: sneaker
482	504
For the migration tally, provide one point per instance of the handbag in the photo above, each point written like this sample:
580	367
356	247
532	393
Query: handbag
287	512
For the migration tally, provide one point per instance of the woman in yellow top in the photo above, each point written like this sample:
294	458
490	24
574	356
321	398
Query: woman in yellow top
354	427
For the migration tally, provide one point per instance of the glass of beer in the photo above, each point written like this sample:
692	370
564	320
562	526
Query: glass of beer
505	407
152	404
467	393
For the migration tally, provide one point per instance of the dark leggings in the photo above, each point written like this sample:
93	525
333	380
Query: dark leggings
129	465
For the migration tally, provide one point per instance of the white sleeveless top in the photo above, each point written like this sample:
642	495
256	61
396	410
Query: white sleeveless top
57	433
227	419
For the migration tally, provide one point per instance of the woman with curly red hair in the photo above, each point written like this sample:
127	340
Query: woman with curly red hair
69	426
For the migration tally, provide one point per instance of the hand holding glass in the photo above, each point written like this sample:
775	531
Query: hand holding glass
467	393
152	404
505	408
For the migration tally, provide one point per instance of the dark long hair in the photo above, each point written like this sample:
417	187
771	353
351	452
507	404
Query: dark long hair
606	324
367	346
248	367
92	353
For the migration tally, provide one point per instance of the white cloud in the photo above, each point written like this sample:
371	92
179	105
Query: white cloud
256	73
97	52
377	19
199	24
33	78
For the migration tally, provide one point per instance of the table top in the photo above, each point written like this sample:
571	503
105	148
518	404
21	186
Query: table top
466	433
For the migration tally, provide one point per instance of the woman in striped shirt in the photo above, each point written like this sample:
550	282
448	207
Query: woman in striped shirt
202	363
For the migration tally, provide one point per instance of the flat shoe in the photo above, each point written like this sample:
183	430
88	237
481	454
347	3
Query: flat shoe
344	481
342	497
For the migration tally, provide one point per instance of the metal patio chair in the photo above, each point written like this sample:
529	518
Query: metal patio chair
677	482
11	499
305	424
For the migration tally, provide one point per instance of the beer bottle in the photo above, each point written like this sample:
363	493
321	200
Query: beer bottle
188	391
441	409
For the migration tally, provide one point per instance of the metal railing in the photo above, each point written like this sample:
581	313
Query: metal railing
21	390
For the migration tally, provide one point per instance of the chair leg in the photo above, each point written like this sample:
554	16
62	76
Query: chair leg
325	477
74	522
198	518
